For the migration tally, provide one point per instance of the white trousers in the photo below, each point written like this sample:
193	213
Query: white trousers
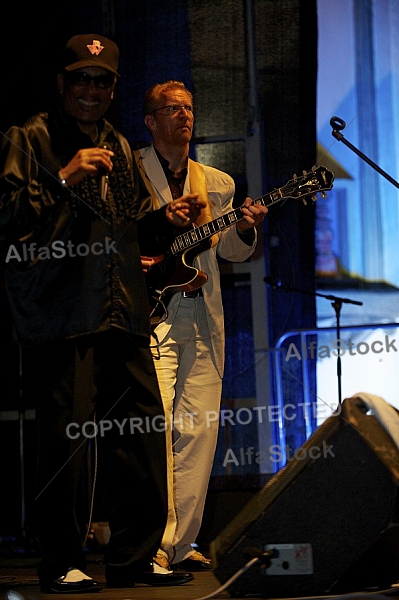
191	389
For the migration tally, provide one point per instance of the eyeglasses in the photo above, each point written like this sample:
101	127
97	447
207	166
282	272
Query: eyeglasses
172	109
82	79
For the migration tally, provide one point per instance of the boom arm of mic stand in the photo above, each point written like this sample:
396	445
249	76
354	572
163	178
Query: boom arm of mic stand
338	124
276	283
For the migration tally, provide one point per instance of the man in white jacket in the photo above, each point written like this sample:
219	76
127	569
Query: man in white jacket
188	346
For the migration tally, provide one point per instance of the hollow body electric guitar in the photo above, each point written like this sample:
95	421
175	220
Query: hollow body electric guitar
175	271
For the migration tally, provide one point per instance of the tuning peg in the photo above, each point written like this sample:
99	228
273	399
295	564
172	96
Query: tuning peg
323	195
314	198
294	177
304	173
304	201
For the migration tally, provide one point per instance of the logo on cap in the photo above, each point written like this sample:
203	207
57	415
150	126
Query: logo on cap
95	48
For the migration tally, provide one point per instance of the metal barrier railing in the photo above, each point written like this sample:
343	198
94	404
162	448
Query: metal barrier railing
308	396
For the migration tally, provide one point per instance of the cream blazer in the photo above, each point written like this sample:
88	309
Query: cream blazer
230	247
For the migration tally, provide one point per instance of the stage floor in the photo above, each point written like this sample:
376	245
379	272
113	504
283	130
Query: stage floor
18	581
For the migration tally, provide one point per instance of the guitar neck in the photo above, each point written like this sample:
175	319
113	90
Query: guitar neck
318	180
204	232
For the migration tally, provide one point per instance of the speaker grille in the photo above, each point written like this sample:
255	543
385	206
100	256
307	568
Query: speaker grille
341	503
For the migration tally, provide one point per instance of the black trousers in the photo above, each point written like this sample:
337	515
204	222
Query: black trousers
98	387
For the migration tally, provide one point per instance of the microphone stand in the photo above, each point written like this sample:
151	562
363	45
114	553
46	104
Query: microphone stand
336	303
338	125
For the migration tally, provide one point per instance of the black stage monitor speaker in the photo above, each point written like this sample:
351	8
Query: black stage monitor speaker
331	514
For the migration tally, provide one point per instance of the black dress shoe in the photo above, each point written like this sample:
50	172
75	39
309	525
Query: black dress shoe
195	562
158	577
67	585
171	578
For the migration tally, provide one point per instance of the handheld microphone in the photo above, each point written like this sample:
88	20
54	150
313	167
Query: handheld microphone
104	186
104	181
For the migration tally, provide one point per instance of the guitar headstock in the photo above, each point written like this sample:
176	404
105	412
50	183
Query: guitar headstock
309	184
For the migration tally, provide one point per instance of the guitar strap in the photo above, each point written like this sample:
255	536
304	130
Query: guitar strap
150	188
198	186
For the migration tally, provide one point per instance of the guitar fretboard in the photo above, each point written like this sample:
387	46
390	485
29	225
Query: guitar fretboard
203	232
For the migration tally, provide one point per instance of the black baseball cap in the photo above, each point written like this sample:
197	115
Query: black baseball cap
91	50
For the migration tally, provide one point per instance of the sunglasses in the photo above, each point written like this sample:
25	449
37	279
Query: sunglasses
82	79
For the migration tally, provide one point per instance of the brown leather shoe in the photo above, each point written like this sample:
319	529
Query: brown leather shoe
162	560
195	562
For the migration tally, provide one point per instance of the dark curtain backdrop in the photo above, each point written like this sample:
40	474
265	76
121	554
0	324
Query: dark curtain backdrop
203	43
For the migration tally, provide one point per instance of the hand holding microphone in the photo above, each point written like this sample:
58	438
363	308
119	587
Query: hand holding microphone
89	161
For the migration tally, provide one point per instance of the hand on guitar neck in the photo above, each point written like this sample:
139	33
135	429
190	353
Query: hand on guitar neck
253	215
